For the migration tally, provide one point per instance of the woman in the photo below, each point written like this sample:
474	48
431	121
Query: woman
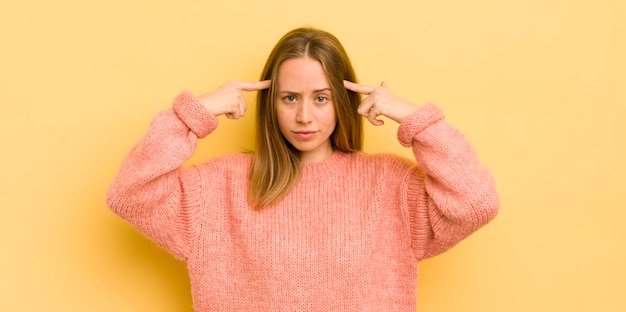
307	222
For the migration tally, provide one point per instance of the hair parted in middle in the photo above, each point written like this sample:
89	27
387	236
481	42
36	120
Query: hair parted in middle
276	164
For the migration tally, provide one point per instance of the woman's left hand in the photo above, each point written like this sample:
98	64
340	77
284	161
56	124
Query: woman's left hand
381	101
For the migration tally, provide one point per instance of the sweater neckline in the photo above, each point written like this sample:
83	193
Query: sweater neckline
335	162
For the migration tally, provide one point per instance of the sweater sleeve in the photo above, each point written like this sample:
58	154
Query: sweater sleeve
152	191
452	194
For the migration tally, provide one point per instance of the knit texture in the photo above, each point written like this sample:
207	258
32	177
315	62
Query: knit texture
348	237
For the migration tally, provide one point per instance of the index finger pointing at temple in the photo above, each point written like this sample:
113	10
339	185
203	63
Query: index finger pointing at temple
362	89
255	85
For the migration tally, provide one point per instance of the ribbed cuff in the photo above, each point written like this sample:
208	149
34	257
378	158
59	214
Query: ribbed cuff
194	114
418	121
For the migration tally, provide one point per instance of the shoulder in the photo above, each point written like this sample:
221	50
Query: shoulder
392	170
384	160
382	165
237	163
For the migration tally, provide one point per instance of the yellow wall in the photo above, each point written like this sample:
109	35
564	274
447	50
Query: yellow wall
537	86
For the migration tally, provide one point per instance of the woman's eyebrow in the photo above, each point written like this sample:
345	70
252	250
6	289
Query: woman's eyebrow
314	91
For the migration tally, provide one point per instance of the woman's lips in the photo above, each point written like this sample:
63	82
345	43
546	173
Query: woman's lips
305	135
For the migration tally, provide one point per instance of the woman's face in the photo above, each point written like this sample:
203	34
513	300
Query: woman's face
305	109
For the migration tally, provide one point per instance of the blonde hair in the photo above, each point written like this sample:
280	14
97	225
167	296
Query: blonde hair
276	163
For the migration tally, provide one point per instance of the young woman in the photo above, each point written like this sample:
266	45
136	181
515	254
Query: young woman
307	222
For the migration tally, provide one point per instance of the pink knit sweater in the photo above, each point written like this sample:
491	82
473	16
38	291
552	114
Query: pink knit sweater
348	237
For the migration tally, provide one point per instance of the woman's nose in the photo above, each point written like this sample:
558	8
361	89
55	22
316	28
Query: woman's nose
304	112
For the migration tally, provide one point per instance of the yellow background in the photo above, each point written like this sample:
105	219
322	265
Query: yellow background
537	87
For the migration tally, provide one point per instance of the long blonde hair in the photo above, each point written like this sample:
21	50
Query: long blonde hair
276	163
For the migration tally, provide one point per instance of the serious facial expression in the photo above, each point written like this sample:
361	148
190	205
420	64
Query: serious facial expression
305	109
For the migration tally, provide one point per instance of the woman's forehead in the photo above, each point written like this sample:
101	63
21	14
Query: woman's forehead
302	74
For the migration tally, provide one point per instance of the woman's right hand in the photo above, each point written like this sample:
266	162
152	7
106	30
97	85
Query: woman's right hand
228	99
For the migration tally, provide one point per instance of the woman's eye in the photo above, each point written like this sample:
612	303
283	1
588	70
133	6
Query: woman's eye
289	98
321	99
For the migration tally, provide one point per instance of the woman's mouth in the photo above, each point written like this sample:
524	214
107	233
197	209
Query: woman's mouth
305	134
